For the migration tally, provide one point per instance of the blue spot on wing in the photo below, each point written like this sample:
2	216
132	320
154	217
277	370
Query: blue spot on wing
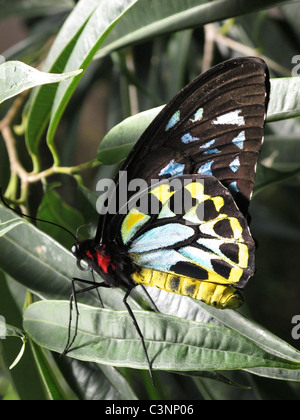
206	168
233	188
188	138
198	116
239	140
173	168
208	144
235	164
212	151
173	120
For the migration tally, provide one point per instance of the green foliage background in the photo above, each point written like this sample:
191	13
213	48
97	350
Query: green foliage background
135	55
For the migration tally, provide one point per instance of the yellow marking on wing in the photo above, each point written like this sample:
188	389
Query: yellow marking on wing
218	202
196	190
162	193
236	228
243	255
131	224
133	218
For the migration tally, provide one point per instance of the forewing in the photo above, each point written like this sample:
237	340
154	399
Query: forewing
213	126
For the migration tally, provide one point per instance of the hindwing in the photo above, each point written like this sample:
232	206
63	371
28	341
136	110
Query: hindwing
209	240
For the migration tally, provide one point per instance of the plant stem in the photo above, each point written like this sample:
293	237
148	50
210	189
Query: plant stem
61	170
18	171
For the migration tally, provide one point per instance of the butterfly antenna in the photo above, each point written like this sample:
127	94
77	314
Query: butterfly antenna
82	226
34	218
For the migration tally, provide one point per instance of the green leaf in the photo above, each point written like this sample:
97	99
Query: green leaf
256	333
96	382
175	15
284	99
109	337
10	224
54	210
40	108
194	310
12	297
33	8
15	77
51	376
118	142
265	177
44	266
101	22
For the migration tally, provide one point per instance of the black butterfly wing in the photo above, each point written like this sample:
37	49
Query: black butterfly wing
213	126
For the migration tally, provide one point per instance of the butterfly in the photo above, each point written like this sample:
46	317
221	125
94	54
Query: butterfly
202	149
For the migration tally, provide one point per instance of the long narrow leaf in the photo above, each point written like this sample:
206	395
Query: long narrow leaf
41	103
109	337
10	224
118	142
101	22
35	8
285	99
50	376
15	77
149	18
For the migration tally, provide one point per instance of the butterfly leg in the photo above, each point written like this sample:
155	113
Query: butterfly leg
150	299
92	285
138	331
97	290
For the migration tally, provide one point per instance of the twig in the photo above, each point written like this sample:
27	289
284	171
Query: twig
209	31
14	109
10	142
17	170
244	49
32	178
15	164
215	34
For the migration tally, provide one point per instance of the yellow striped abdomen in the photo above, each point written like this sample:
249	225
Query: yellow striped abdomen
213	294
